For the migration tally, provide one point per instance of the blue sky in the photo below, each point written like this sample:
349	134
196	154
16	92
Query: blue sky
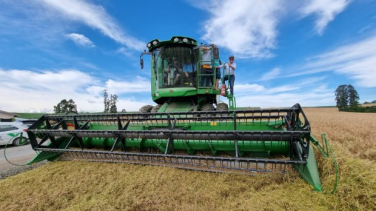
286	51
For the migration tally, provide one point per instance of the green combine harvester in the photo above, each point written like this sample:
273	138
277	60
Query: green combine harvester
189	128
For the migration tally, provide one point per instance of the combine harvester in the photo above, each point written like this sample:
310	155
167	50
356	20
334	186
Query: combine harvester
188	128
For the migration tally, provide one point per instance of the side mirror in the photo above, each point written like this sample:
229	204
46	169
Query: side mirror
142	63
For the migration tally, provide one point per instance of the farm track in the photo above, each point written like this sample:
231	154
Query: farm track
18	155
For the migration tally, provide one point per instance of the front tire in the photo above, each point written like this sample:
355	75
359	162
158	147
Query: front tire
207	107
222	107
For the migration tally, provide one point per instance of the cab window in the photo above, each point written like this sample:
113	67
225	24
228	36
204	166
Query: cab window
174	66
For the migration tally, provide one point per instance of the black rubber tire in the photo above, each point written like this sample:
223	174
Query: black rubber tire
146	109
222	107
155	108
207	107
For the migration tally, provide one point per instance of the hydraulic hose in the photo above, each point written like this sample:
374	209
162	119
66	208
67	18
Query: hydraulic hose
5	156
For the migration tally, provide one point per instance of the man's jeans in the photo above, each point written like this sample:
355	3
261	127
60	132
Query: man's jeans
231	82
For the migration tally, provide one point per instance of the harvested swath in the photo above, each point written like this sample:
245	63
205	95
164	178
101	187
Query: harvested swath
109	186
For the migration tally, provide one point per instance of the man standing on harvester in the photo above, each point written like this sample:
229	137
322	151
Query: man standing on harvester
229	73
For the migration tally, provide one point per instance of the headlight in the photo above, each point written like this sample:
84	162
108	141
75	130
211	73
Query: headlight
155	43
185	40
176	39
149	45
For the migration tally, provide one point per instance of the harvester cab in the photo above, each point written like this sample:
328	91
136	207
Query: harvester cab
183	76
185	131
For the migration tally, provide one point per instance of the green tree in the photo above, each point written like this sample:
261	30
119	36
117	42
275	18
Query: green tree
109	103
352	96
341	94
106	101
57	109
65	106
113	108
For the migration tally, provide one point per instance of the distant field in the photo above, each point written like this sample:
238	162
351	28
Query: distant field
369	104
109	186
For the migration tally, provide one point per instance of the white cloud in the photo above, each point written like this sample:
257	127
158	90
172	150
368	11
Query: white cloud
80	39
283	96
308	91
284	88
245	27
312	81
324	10
136	85
286	99
357	60
253	87
95	17
248	28
24	90
271	74
125	52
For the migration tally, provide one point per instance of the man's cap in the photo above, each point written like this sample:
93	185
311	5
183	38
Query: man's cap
231	57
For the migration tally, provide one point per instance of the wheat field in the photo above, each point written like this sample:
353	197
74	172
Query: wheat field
109	186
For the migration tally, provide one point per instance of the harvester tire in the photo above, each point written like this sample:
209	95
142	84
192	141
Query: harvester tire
207	107
155	108
222	107
146	109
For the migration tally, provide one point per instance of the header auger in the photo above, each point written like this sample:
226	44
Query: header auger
182	131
